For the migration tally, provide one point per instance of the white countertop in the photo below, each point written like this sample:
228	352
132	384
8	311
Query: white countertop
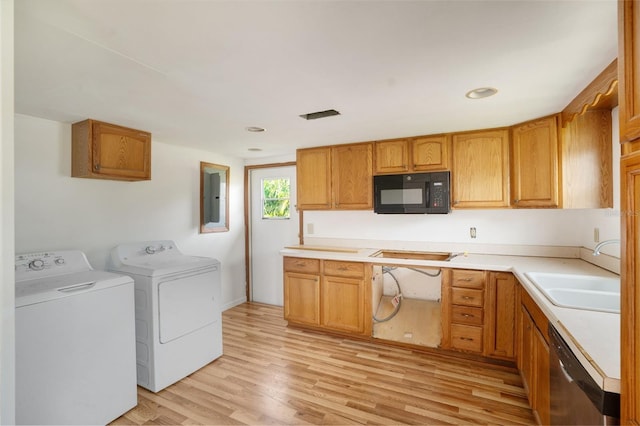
593	336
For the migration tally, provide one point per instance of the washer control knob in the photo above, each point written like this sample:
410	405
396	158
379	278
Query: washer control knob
150	250
59	261
36	265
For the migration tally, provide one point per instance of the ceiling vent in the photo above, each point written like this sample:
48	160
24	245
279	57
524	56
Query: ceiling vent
320	114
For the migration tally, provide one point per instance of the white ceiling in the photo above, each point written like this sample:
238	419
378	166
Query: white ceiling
198	72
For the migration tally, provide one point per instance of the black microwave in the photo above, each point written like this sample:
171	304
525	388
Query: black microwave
412	193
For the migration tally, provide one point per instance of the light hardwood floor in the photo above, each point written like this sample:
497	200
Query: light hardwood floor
272	374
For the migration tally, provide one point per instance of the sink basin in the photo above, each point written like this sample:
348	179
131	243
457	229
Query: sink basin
416	255
587	292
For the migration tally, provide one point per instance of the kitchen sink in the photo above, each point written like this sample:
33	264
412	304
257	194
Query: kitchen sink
587	292
415	255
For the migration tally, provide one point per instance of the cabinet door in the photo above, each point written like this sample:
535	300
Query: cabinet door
525	352
391	156
629	70
500	311
587	168
313	176
302	298
430	153
123	152
541	394
534	163
343	304
630	290
480	172
352	168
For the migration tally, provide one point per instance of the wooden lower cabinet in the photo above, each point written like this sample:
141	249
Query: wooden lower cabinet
533	357
479	312
500	310
302	290
328	294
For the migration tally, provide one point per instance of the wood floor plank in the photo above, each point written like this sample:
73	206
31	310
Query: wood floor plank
272	374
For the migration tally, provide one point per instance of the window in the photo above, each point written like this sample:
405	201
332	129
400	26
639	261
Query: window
276	203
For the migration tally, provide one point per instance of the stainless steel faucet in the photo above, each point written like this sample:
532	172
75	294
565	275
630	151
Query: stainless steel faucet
596	250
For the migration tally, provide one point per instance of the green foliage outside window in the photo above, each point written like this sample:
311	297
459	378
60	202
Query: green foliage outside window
275	198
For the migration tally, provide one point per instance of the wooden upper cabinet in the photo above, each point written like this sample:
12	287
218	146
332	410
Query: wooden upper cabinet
587	164
352	176
313	175
534	163
407	155
107	151
391	156
480	169
430	153
629	70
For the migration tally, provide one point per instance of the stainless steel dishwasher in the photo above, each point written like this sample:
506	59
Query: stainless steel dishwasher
576	399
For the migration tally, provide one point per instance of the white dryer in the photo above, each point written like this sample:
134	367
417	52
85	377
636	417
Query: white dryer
178	312
75	341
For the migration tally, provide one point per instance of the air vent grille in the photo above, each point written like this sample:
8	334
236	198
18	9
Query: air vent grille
320	114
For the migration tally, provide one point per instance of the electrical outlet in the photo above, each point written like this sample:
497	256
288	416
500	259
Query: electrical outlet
596	235
309	228
472	232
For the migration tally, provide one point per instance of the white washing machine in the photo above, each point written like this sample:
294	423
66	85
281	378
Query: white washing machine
75	341
178	312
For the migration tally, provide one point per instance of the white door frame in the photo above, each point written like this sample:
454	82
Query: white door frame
247	218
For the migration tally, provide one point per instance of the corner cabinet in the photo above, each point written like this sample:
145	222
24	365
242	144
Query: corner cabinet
107	151
328	294
480	169
534	163
335	177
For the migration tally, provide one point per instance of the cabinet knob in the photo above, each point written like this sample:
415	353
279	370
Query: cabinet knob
96	167
516	201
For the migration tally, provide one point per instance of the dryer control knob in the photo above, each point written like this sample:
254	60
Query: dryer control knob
150	250
36	264
59	261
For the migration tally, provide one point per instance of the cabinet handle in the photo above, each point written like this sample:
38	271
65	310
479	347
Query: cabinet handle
468	297
469	339
465	279
343	268
468	315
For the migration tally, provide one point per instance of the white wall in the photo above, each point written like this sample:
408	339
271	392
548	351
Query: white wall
545	227
55	211
7	304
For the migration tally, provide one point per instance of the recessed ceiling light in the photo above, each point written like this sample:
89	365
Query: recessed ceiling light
255	149
482	92
254	129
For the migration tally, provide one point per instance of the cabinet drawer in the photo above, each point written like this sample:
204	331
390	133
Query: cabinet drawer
467	315
467	279
467	297
299	264
466	337
337	268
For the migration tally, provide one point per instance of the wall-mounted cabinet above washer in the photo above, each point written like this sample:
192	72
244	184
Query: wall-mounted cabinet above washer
108	151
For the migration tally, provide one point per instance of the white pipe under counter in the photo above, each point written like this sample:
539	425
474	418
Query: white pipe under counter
593	336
